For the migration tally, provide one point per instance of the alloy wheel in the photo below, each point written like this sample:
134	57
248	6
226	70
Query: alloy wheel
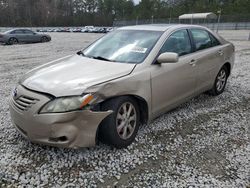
126	120
13	41
221	80
44	39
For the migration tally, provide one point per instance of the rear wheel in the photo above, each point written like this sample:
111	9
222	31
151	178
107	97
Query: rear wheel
12	41
220	82
120	128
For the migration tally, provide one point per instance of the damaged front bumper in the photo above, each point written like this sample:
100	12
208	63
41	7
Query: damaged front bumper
69	130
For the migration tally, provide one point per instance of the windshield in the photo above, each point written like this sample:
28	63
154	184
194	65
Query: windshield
124	46
7	32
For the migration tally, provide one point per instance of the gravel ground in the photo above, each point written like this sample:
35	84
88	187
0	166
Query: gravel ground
202	143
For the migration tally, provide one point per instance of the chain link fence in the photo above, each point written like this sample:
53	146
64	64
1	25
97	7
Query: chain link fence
231	22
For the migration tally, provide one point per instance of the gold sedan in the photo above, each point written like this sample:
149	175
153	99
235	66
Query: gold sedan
127	78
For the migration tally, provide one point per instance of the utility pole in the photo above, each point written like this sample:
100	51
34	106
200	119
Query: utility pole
170	17
219	17
170	14
170	11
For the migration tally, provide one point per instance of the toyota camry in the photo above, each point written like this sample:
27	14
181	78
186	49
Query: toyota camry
125	79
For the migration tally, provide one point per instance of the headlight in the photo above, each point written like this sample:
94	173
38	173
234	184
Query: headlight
66	104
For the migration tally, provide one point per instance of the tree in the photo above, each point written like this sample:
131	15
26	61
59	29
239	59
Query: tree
104	12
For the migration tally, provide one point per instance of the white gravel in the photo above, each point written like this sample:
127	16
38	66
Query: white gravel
202	143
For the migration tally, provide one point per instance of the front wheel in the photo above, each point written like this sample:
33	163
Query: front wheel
220	82
44	39
120	128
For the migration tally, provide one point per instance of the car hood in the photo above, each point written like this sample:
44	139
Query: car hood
73	74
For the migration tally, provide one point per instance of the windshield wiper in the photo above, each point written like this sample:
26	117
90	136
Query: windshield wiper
98	57
80	53
101	58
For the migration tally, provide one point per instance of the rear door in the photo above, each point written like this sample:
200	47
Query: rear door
18	34
209	57
173	83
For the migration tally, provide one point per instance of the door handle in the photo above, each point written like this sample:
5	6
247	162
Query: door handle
220	52
192	62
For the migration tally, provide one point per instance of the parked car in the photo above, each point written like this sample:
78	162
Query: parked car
110	29
86	29
77	30
125	79
83	30
89	29
16	36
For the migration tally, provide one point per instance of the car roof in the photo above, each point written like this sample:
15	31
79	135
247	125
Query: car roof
158	27
17	30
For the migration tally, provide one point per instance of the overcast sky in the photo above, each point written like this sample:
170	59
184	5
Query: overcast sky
137	1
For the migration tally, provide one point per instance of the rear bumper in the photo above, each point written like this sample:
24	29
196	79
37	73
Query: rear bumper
69	130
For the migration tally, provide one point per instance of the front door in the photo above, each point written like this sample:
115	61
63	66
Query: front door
173	83
30	36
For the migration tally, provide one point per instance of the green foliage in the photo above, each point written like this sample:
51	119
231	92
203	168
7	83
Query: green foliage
104	12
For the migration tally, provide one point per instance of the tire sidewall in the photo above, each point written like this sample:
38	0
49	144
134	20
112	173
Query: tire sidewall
11	43
108	126
216	80
44	39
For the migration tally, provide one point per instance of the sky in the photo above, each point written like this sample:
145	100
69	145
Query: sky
137	1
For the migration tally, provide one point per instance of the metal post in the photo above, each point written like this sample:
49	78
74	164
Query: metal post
136	20
152	21
218	23
249	37
170	15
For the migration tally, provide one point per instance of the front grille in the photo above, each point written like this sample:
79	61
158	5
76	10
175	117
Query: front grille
23	103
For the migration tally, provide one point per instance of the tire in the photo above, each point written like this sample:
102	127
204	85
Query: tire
12	41
117	130
220	82
44	39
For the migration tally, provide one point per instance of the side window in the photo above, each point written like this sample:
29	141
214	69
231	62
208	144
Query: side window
179	43
28	32
214	40
202	39
17	32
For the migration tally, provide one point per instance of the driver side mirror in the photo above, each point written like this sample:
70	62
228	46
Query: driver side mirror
168	57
